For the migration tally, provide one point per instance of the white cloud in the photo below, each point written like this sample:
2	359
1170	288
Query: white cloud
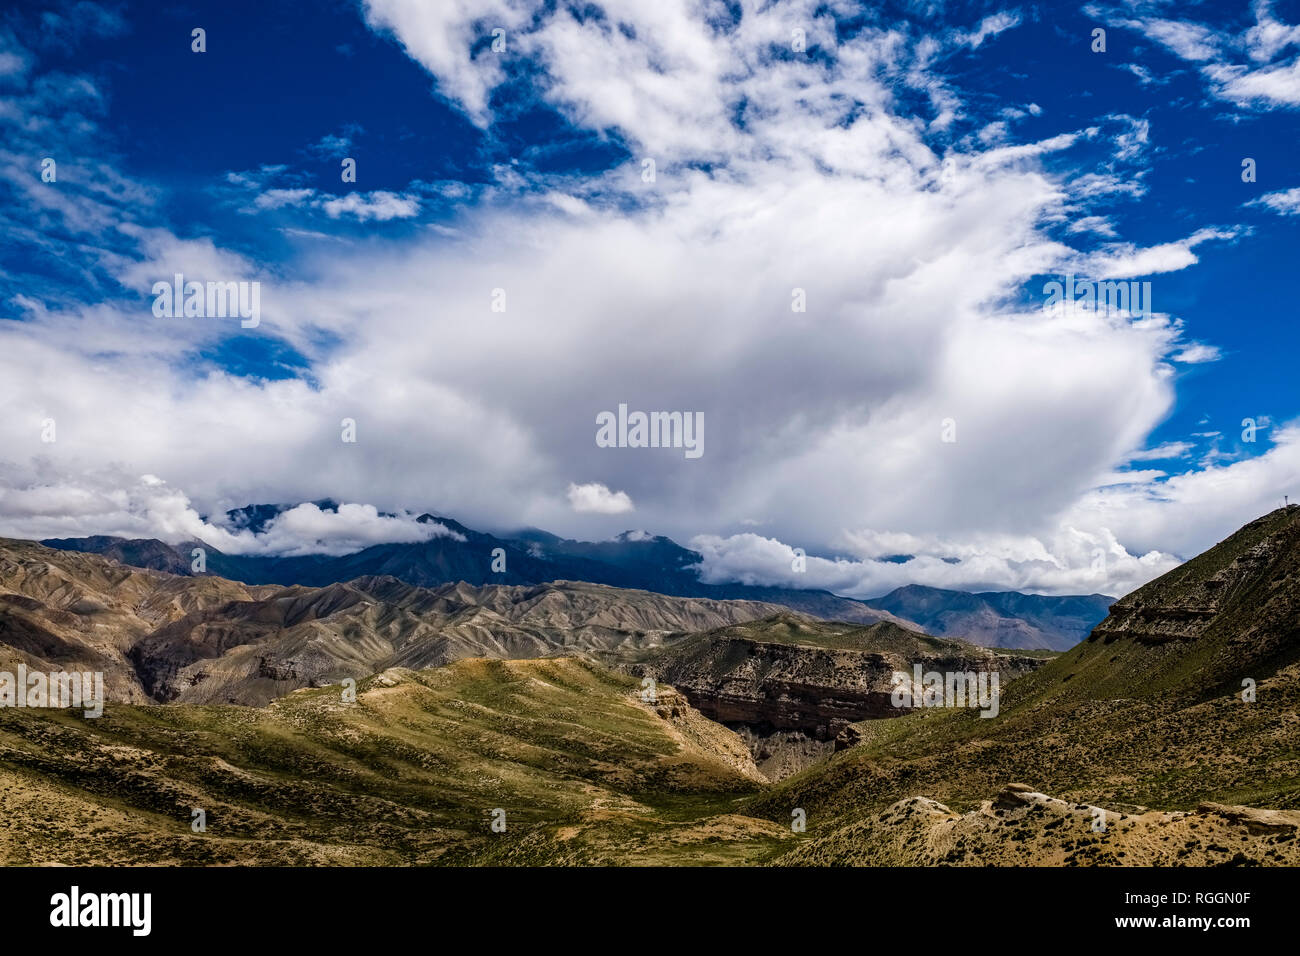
1196	353
379	205
1187	41
1269	36
1145	76
1187	513
335	145
595	498
667	76
1248	69
277	198
307	529
1274	85
990	26
1112	540
1124	260
674	294
442	37
1172	449
1072	561
1285	202
12	64
1094	224
40	504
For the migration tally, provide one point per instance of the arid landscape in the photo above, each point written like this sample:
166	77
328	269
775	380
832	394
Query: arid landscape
589	445
596	725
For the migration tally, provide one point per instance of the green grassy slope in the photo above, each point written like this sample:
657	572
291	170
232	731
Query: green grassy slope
409	773
1148	711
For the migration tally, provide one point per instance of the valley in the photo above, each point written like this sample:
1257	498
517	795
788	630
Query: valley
1168	737
794	687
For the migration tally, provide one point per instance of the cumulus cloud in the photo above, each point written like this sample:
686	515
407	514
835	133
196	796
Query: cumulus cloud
1072	561
442	36
42	503
379	205
827	425
1188	41
1163	520
335	145
278	198
1186	513
14	60
309	529
596	498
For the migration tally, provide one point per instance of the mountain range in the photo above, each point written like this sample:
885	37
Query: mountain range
1166	737
635	560
160	637
998	618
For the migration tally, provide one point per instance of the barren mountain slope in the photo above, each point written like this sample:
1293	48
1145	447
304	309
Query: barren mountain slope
203	639
1188	693
61	610
1021	827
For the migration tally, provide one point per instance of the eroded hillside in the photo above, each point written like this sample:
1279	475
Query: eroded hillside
204	639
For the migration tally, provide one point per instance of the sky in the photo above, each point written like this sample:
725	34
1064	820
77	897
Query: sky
829	232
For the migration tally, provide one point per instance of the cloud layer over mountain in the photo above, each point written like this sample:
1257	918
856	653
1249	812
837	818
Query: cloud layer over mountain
918	394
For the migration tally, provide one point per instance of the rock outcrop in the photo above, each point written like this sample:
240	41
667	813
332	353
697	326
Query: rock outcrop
1255	570
792	686
1228	615
783	673
1020	826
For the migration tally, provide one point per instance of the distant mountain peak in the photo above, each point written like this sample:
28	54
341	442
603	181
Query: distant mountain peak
638	535
998	618
635	559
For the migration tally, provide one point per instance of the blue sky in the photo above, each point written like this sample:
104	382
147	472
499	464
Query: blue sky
1092	452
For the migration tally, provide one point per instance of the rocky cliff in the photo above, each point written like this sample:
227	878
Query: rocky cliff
1228	614
790	684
